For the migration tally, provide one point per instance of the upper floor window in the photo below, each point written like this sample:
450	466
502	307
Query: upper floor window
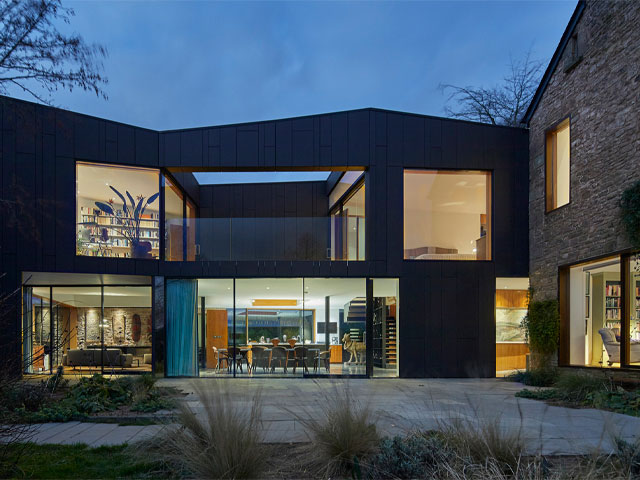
558	165
447	215
348	226
117	211
344	184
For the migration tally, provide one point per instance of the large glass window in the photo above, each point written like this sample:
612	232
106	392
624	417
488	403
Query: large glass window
127	328
87	329
595	313
634	310
511	307
117	211
447	215
346	181
558	165
295	326
348	227
173	222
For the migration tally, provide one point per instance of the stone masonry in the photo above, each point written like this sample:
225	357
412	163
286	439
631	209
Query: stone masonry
601	94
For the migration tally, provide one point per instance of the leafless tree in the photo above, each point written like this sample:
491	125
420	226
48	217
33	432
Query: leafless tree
35	55
504	104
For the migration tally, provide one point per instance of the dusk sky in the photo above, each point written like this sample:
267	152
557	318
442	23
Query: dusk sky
197	63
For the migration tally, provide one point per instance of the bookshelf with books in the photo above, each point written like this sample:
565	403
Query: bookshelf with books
100	234
606	299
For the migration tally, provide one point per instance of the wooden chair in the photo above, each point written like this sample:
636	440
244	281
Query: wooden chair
275	342
235	355
292	342
259	357
279	357
220	357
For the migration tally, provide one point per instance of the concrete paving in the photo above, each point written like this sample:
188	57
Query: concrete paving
399	406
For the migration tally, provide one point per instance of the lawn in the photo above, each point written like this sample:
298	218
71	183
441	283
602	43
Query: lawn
77	461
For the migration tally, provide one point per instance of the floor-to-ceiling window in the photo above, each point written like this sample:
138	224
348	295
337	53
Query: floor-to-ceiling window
512	301
348	224
594	320
86	329
294	327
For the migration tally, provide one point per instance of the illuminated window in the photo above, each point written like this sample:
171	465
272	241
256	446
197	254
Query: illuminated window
447	215
117	211
558	166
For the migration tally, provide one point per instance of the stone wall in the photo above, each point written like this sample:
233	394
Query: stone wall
117	327
601	94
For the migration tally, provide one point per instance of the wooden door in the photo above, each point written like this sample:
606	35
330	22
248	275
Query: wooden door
216	335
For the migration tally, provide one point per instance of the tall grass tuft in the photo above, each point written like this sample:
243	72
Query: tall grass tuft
577	386
224	440
343	433
485	440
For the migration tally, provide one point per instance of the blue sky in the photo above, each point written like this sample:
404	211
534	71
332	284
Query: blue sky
196	63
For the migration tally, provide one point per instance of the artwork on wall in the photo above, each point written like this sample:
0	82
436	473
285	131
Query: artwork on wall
508	324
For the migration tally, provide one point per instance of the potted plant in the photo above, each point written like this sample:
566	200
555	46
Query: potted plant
127	221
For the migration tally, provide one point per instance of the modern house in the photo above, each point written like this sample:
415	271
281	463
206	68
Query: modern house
388	268
584	144
411	259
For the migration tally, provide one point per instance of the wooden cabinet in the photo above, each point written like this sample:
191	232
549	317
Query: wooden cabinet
216	335
336	353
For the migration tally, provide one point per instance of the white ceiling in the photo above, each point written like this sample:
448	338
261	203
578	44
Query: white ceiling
45	278
219	292
446	192
93	181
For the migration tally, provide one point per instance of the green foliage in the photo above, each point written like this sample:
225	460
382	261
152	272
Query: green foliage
542	328
152	403
89	396
414	456
630	213
629	457
80	461
537	377
587	390
576	387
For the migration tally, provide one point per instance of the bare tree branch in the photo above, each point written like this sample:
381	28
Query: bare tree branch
504	104
33	53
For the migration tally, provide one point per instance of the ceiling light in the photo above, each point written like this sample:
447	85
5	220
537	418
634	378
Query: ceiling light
268	288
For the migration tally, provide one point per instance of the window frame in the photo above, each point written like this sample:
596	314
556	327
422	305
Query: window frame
162	173
550	188
338	207
491	174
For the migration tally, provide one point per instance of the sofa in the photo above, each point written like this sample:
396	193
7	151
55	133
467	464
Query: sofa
612	346
92	357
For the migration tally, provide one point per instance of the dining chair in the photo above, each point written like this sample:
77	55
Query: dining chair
279	357
259	357
220	357
235	355
301	355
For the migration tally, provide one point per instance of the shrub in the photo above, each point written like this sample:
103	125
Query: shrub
542	330
223	441
538	377
576	387
415	456
344	436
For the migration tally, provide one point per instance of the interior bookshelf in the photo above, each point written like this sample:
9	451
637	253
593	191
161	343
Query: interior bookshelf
94	221
613	303
637	299
384	334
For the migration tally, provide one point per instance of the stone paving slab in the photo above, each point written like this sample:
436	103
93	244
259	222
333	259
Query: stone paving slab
399	406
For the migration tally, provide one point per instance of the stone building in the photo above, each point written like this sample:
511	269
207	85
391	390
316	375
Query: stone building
584	150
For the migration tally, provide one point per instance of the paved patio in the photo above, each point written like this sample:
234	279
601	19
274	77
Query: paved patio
400	405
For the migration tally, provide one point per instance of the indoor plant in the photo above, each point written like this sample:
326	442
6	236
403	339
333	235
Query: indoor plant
127	221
